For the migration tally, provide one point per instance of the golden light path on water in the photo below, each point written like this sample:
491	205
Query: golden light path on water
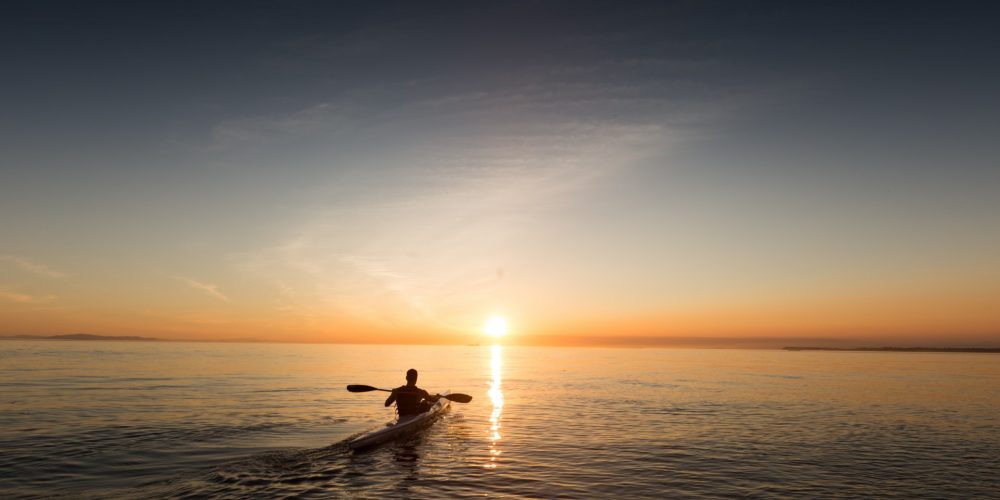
496	397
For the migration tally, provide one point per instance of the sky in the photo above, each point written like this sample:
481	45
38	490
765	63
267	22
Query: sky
402	171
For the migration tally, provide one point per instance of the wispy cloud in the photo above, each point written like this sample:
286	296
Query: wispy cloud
207	288
439	218
394	282
32	267
424	182
252	131
23	298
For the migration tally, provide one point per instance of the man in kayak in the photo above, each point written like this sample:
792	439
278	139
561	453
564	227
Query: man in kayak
410	399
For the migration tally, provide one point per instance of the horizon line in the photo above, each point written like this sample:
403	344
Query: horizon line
765	343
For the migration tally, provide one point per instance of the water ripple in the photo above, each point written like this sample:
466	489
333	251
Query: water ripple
575	423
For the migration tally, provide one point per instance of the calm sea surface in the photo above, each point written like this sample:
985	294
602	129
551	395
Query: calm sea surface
151	419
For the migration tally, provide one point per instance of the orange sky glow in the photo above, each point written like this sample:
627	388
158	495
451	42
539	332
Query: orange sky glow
371	183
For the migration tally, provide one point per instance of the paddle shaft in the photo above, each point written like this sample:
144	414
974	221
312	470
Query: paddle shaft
458	398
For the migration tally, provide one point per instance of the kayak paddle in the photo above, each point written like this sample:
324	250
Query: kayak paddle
458	398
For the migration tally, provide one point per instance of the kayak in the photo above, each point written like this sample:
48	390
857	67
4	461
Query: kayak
402	427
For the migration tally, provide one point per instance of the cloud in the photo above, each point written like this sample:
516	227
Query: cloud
430	225
236	134
209	289
33	267
424	180
23	298
392	281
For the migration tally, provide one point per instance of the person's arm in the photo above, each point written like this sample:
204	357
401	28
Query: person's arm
432	399
391	399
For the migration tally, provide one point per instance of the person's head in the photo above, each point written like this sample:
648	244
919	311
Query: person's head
411	376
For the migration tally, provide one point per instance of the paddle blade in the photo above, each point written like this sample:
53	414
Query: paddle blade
459	398
361	388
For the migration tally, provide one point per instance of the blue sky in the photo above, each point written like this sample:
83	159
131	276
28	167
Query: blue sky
371	170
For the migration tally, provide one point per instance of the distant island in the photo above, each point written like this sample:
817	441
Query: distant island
134	338
898	349
78	336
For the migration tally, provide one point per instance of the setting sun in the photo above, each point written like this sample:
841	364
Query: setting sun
495	326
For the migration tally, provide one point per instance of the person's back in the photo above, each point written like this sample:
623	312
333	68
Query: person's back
410	399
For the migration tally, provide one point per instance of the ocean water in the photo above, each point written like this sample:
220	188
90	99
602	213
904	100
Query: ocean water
157	419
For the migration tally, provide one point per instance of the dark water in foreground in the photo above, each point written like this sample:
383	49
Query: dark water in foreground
119	419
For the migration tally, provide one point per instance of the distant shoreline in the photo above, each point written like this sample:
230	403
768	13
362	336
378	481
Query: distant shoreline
897	349
81	336
127	338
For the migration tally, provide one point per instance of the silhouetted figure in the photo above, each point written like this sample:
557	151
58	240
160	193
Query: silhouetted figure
410	399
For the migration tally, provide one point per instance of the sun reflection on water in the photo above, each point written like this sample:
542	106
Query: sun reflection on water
496	397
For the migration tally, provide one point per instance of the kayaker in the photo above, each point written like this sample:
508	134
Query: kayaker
410	399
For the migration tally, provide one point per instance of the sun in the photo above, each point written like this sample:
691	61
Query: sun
495	326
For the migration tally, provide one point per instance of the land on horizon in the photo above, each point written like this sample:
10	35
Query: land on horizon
81	336
897	349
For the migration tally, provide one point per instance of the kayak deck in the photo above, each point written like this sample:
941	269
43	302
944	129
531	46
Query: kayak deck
403	426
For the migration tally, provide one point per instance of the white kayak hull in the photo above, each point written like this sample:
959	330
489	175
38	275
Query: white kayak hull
402	427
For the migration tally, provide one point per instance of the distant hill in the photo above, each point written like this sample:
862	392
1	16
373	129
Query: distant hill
898	349
78	336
